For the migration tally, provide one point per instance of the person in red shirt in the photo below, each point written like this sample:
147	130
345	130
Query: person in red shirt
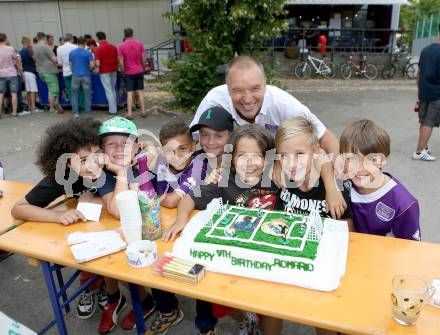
322	43
106	56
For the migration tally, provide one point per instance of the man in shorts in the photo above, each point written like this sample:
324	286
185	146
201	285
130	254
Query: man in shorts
428	83
48	70
29	73
132	60
8	73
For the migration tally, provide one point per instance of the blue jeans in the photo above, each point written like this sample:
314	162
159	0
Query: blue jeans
11	82
86	84
108	81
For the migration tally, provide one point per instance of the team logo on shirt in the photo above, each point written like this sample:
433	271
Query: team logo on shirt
384	212
190	183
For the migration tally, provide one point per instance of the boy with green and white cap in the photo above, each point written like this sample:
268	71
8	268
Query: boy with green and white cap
119	143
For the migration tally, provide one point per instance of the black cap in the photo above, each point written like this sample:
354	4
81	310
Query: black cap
216	118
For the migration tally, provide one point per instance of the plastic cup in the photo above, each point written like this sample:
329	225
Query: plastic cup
130	215
132	234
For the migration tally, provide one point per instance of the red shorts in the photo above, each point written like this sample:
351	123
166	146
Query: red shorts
221	311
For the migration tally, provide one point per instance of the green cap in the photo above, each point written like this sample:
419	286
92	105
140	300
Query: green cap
118	126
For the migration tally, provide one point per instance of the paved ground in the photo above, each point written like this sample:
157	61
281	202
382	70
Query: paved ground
336	103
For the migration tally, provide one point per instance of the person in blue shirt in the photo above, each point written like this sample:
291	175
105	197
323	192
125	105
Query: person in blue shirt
29	73
428	83
81	62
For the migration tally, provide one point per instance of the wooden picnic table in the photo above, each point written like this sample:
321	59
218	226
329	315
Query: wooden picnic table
361	305
12	191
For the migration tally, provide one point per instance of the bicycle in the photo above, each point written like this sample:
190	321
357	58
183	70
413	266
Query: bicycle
364	68
303	70
408	68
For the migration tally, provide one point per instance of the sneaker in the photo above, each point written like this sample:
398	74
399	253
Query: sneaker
423	156
428	149
110	314
24	113
76	115
101	296
162	323
87	305
36	110
129	321
4	255
249	326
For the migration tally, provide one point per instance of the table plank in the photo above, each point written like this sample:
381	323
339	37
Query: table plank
361	305
12	192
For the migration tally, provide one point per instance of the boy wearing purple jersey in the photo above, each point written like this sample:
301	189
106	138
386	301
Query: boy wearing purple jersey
381	205
180	168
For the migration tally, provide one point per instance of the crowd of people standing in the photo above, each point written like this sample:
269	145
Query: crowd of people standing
77	58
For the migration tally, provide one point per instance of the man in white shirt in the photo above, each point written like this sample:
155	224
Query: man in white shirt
63	53
249	100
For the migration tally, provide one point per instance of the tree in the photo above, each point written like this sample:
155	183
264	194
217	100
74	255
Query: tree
216	30
417	10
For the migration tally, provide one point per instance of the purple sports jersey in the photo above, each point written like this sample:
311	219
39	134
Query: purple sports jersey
388	211
166	181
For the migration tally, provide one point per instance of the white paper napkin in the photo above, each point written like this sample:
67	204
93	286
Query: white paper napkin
92	212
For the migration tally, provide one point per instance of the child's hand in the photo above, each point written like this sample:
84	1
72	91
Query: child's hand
115	168
70	216
170	234
336	204
151	150
278	176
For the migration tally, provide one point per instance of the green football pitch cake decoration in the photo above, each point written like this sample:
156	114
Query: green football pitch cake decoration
276	232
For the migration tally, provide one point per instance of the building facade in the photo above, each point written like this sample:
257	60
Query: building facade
26	18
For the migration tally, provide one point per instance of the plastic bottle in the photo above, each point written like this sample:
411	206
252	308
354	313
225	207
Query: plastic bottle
148	203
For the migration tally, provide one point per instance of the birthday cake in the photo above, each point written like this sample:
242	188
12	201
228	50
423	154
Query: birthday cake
285	247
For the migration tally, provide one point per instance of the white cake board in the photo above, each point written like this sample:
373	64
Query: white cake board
329	264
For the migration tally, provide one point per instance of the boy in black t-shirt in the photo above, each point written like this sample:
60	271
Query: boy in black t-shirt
68	156
297	144
69	150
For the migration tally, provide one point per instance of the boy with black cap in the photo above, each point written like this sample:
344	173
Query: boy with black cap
214	130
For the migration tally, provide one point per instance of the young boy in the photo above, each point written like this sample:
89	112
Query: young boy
215	127
119	143
297	143
178	171
180	168
79	138
381	204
